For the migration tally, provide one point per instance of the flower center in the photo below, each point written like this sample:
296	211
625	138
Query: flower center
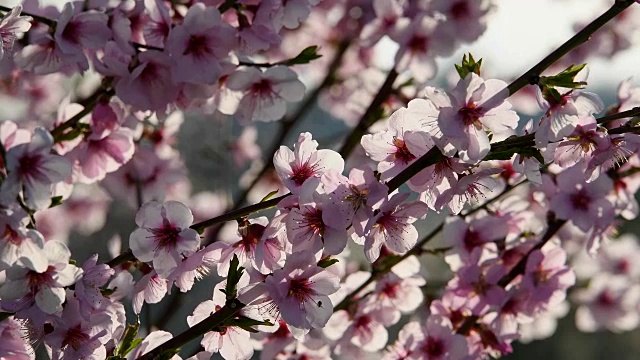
75	338
300	290
580	200
198	46
166	236
433	347
402	152
471	114
302	172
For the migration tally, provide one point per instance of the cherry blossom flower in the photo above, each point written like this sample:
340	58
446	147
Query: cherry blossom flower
610	302
352	200
164	236
11	25
361	329
420	42
561	117
300	290
546	277
149	85
466	19
14	340
230	341
198	44
438	341
16	241
585	204
150	289
389	17
307	229
44	280
392	226
152	341
75	336
399	146
266	93
477	106
34	169
305	164
77	29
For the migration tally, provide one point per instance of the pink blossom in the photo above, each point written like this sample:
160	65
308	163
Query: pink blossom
198	44
361	329
77	29
194	267
547	277
44	280
300	290
420	42
438	341
394	295
409	336
158	25
88	290
466	19
11	25
250	233
164	236
266	93
477	106
14	341
150	289
232	342
16	241
308	229
609	302
305	164
11	135
585	204
43	56
466	236
149	85
392	226
352	200
389	18
152	341
472	188
34	169
399	146
561	117
75	336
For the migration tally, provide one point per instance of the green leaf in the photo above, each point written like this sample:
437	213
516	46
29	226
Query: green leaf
306	56
565	79
326	262
129	341
269	195
469	65
55	201
235	273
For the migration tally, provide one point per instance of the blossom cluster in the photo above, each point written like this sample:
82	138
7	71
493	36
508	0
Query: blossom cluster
530	208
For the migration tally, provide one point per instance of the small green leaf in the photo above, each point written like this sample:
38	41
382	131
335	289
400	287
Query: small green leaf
55	201
129	341
269	195
306	56
235	273
565	79
326	262
469	65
